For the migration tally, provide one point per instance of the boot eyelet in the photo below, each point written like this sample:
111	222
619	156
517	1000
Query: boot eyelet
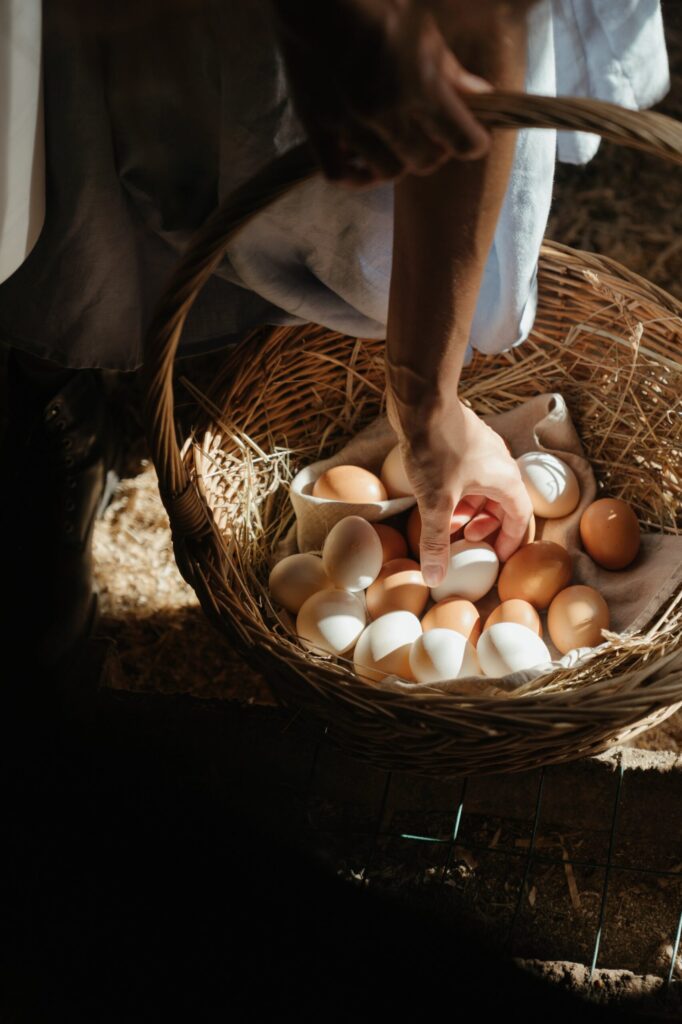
71	483
60	425
69	527
54	410
68	461
67	442
70	506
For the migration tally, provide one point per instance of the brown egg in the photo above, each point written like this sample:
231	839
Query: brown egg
610	533
393	475
535	573
393	544
349	483
399	587
576	618
454	613
518	611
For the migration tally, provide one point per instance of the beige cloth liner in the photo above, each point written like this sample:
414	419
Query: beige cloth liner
540	424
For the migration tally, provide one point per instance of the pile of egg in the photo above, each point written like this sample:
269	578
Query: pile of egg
364	597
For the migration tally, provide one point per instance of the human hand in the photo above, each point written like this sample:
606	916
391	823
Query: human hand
377	87
463	475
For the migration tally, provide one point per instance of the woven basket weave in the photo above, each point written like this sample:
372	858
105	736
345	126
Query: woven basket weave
609	341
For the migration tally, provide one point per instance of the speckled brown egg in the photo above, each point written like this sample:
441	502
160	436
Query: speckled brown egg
349	483
457	614
535	573
399	587
610	533
518	611
393	544
576	618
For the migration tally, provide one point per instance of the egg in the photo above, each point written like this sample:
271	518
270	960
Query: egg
393	475
509	647
384	647
576	618
610	533
515	611
535	573
352	553
442	654
349	483
398	587
471	573
393	544
331	621
295	578
552	485
457	614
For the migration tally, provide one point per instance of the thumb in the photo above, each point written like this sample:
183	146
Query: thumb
434	544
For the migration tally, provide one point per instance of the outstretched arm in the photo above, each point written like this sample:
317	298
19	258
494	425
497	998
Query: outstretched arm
444	227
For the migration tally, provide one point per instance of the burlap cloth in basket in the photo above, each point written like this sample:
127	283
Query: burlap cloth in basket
541	424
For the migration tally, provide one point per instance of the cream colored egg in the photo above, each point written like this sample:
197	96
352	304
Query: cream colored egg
508	647
472	571
295	578
442	654
394	477
384	647
352	555
331	621
552	485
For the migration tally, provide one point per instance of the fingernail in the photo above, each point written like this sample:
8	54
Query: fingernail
432	574
472	83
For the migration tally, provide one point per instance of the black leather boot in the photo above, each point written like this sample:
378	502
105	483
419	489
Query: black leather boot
57	458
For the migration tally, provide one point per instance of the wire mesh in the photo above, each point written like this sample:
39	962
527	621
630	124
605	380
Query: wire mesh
367	844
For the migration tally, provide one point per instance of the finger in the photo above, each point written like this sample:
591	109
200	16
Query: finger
362	143
336	167
355	158
465	509
418	151
517	510
481	526
451	121
434	544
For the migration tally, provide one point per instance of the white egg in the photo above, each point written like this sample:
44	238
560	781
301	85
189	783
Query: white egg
394	477
352	554
331	621
384	647
295	578
471	573
552	485
442	654
509	647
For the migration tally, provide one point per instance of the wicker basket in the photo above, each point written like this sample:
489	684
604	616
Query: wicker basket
604	337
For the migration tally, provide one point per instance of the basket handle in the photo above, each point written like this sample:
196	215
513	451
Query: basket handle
645	130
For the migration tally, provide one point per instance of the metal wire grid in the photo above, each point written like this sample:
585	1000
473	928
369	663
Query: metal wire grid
531	855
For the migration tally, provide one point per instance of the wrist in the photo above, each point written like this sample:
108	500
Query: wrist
417	395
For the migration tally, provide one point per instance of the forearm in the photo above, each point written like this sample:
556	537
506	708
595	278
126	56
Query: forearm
444	225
